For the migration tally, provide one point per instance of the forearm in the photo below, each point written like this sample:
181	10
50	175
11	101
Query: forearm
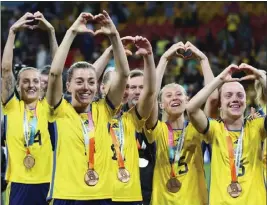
149	75
101	63
262	80
160	72
62	53
121	62
53	42
8	53
201	97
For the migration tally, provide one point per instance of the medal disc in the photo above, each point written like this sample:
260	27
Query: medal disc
173	185
29	161
123	175
91	178
234	189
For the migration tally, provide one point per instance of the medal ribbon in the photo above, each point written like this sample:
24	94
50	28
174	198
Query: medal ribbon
89	142
175	156
117	148
235	158
29	134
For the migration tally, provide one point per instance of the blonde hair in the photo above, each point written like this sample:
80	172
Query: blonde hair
78	65
164	116
259	93
168	86
25	69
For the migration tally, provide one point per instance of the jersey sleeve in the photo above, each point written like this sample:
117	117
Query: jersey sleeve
191	131
57	111
209	133
11	104
138	121
261	125
155	132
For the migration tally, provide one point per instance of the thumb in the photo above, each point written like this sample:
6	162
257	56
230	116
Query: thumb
252	110
99	31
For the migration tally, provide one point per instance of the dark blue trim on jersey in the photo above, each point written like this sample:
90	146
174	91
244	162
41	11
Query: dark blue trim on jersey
207	128
55	134
137	113
110	103
10	97
51	130
265	122
58	104
3	134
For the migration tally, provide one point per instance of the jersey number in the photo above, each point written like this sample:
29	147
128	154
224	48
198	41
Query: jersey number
37	138
242	170
182	163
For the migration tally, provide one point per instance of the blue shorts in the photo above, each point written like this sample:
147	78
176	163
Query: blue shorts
91	202
28	194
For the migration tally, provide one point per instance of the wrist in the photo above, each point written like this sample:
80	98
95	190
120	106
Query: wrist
51	30
12	31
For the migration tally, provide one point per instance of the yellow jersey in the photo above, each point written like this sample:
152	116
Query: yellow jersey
189	169
130	191
250	175
70	158
40	147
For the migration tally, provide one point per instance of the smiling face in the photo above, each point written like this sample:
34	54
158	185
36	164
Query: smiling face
233	100
82	86
173	99
29	85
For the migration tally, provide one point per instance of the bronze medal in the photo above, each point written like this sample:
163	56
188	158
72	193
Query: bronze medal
234	189
29	161
91	178
173	185
123	175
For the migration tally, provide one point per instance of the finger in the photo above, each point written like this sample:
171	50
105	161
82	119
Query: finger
252	110
128	52
233	80
248	77
97	32
106	14
35	26
87	16
187	44
26	15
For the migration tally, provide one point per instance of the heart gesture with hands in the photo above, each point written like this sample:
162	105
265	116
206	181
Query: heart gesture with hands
126	41
43	23
143	46
172	51
226	75
252	73
79	26
22	23
195	52
107	26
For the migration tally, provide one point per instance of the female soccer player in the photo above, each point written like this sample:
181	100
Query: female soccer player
29	151
82	171
236	164
123	130
179	172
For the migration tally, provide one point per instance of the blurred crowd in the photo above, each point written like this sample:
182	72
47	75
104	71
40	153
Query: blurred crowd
227	32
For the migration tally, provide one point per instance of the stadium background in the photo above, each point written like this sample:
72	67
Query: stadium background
227	32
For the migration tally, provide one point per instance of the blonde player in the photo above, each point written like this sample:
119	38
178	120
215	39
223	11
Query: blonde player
29	150
179	170
82	171
236	164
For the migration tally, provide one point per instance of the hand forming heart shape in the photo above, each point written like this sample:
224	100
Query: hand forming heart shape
185	54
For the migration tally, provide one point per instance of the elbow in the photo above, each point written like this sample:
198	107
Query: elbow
190	108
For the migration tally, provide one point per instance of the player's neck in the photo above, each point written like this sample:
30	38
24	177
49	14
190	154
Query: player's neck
31	105
81	109
234	124
177	122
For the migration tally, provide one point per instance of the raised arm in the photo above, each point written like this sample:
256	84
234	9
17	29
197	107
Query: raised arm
101	63
118	84
196	115
148	95
165	58
211	106
8	80
45	25
55	84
